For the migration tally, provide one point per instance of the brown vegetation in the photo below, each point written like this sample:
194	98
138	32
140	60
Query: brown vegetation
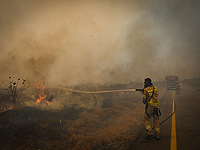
74	127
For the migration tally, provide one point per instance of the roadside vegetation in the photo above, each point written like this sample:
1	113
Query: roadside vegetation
86	121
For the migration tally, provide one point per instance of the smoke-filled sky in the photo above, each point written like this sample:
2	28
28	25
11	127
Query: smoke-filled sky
99	41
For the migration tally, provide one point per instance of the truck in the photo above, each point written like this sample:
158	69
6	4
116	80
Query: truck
172	80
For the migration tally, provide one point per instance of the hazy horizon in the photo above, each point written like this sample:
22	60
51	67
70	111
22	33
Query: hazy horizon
87	41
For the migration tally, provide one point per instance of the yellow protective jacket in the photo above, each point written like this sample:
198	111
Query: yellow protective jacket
148	94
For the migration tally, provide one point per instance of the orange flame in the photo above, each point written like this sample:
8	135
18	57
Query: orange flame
5	109
41	95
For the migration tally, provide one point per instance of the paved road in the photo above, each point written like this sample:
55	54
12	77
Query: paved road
186	122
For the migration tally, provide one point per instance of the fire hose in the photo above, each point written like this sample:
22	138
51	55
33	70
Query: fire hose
125	90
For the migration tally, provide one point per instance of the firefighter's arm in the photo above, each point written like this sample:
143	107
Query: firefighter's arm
145	97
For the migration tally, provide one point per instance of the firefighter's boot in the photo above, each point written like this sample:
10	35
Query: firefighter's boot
149	133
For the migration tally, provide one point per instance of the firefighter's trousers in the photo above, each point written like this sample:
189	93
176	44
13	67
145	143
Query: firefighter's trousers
150	112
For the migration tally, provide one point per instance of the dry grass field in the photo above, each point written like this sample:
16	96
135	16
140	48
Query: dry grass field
71	120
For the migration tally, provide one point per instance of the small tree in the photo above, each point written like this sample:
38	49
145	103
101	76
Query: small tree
16	91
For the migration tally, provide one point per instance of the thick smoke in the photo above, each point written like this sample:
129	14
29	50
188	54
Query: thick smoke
101	41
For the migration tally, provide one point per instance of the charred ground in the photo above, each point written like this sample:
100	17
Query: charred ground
80	121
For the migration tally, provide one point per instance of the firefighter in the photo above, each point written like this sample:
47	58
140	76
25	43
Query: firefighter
177	87
150	99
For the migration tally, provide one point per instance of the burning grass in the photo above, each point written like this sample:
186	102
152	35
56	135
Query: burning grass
86	121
